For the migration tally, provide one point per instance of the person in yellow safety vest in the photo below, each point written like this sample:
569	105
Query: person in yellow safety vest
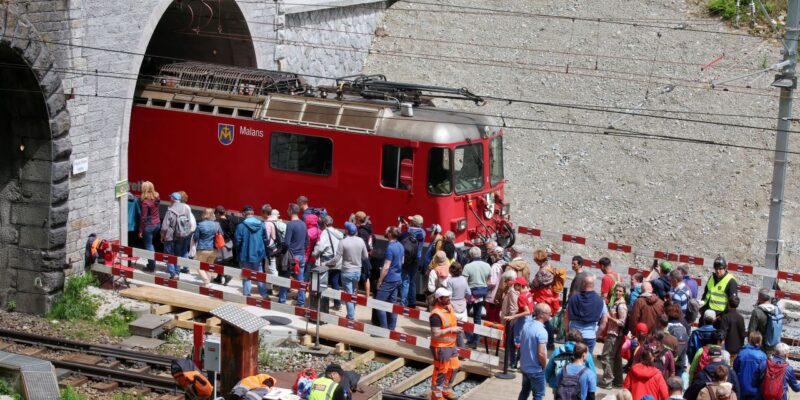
720	286
253	387
327	387
444	332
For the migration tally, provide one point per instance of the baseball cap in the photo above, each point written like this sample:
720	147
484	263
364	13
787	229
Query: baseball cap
247	208
710	314
666	266
521	281
417	220
442	292
350	228
175	196
334	368
435	228
498	251
641	327
714	351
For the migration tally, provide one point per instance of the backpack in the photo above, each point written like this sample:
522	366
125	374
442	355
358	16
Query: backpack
302	383
562	359
273	247
679	331
191	379
410	246
692	308
612	295
703	361
569	386
772	384
772	336
697	340
712	394
183	225
319	212
284	262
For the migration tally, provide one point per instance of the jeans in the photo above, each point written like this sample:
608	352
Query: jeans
551	340
532	384
590	344
247	284
387	292
301	294
173	247
147	238
350	281
408	288
335	282
517	331
477	311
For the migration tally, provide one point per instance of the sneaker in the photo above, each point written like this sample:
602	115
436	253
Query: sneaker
185	270
227	280
472	345
606	386
217	279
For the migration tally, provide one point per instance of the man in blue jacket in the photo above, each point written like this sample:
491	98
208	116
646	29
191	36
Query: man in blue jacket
703	335
748	366
249	239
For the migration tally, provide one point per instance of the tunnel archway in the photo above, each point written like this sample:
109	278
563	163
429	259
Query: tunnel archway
214	32
34	169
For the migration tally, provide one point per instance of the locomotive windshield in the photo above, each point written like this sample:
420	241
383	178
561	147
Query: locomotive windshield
496	160
468	167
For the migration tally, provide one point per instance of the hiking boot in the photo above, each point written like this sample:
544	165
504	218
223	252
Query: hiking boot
185	270
217	279
227	280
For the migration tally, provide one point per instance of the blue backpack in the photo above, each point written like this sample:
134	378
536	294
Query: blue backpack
774	327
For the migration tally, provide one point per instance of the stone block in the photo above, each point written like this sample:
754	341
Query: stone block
33	237
57	237
33	303
20	39
9	235
35	192
30	214
60	192
55	103
60	170
36	171
62	148
59	215
60	124
38	149
39	282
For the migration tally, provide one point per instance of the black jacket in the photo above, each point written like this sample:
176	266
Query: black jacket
733	324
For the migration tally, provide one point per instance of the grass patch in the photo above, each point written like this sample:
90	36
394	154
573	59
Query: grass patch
75	303
6	389
727	10
117	321
70	394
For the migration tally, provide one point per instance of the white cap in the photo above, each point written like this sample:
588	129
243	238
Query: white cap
710	314
442	292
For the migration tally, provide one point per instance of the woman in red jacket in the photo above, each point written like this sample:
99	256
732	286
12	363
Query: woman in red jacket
645	379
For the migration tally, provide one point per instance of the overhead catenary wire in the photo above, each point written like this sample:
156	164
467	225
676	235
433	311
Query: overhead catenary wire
603	131
584	107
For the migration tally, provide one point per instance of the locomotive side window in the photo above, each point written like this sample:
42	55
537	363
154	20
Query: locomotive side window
390	165
468	166
496	160
439	182
300	153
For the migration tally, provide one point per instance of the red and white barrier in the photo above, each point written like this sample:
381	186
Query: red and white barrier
130	273
566	261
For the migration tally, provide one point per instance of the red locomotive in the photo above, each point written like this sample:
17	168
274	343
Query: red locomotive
235	136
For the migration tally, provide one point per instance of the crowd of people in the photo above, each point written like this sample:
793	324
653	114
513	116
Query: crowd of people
650	347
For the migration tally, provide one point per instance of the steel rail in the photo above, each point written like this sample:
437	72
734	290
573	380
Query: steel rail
118	375
100	350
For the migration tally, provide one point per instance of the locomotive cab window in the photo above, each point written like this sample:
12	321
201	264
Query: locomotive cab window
300	153
390	165
468	167
439	171
496	160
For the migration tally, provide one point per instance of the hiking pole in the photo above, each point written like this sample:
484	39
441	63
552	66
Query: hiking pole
509	347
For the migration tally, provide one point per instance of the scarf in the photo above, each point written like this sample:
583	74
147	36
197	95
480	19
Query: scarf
585	307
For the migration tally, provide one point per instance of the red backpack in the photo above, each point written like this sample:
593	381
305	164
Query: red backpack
772	384
302	383
703	361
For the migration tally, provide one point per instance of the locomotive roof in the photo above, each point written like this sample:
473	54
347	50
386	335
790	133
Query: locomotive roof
356	115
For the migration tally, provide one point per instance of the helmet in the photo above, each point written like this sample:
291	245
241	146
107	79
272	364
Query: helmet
720	262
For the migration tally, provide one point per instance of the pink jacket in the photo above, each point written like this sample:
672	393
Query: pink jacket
313	236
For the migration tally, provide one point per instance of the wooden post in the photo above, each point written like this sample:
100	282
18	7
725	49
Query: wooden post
239	357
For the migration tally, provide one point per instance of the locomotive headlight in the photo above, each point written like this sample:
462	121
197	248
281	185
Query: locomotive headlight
488	210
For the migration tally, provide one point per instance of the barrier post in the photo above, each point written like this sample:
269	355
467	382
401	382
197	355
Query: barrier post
509	348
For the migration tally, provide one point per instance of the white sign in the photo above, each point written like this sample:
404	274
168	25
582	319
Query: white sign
80	165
